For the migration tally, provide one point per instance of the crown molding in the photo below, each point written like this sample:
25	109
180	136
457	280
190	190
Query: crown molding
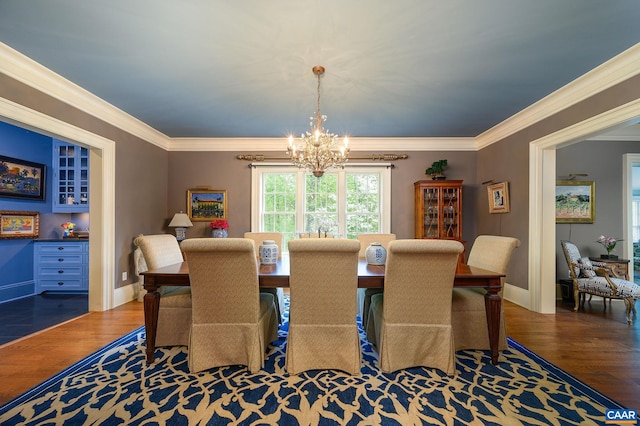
355	144
617	69
26	70
23	69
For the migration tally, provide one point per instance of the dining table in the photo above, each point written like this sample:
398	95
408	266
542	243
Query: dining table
277	276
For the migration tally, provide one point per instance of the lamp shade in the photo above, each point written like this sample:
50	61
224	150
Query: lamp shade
180	220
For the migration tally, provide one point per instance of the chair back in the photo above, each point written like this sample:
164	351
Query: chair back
315	235
260	237
224	279
418	281
492	252
572	256
159	250
367	239
323	280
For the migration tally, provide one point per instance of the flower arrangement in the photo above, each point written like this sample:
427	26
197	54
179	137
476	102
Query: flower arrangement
68	229
609	243
219	224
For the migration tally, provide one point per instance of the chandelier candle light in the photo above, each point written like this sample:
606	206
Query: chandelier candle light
317	150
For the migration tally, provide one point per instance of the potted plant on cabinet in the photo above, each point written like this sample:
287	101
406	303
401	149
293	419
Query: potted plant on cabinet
436	171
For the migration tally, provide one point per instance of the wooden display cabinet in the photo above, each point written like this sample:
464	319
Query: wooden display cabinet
438	209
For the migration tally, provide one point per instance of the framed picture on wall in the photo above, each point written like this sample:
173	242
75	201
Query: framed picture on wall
22	179
498	194
204	205
17	224
575	201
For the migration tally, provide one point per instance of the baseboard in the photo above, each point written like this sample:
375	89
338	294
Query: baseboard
517	295
125	294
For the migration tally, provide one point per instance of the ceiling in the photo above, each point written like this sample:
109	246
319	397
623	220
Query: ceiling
242	69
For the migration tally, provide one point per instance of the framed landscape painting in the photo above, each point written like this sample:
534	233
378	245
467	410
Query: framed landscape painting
204	205
17	224
21	179
575	201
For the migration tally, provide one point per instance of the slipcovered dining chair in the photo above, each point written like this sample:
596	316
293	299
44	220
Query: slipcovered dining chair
410	322
232	322
596	278
323	333
364	294
174	313
259	238
493	253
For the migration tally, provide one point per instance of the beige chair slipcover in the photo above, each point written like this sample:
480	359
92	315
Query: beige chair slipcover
232	322
259	238
492	253
315	235
410	323
364	294
174	313
323	333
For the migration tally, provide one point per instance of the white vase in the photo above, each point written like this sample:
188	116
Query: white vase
219	233
376	254
268	251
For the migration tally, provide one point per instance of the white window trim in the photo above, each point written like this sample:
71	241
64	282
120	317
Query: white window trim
385	190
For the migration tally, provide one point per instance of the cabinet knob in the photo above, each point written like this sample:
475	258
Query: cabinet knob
60	248
60	282
61	259
61	271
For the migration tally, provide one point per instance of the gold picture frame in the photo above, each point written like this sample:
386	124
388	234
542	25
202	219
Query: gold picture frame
498	195
575	201
19	224
204	205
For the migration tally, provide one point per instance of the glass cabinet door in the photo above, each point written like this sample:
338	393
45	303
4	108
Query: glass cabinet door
71	178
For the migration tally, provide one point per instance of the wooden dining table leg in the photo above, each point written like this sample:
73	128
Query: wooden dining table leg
151	308
493	305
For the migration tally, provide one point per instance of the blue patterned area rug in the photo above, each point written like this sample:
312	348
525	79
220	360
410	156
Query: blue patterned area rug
114	386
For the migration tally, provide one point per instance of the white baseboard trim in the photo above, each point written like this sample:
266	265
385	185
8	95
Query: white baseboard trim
125	294
517	295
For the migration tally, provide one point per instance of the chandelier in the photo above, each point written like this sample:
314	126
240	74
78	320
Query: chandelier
318	150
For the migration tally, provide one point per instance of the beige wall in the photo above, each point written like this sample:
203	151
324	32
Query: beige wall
151	183
221	170
508	160
141	172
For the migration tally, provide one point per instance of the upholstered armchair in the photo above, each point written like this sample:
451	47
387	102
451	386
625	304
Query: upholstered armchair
410	323
364	294
323	333
232	321
493	253
174	314
595	278
259	238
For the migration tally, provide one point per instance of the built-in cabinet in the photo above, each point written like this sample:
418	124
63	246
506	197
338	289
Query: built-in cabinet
61	265
438	209
70	178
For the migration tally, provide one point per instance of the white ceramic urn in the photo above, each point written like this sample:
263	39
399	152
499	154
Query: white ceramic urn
376	254
268	251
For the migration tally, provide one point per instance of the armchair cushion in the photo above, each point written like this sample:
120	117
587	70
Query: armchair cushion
586	268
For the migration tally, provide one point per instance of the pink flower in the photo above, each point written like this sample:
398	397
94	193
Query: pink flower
609	243
219	223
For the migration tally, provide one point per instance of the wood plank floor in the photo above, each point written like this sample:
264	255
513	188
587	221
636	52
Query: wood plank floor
594	345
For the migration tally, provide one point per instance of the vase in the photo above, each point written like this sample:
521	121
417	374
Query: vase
376	254
268	251
219	233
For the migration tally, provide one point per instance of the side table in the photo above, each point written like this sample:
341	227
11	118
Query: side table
619	266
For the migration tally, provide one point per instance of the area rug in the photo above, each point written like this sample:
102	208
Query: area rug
115	386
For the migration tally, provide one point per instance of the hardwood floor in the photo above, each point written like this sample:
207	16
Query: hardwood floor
594	345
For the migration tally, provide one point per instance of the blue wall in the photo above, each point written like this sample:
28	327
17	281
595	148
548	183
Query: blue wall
16	260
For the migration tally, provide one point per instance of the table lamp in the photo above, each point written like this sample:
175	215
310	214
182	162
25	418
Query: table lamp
181	222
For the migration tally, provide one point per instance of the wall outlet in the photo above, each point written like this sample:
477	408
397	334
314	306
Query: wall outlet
124	276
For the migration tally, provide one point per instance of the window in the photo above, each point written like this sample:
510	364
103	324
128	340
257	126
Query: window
343	203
